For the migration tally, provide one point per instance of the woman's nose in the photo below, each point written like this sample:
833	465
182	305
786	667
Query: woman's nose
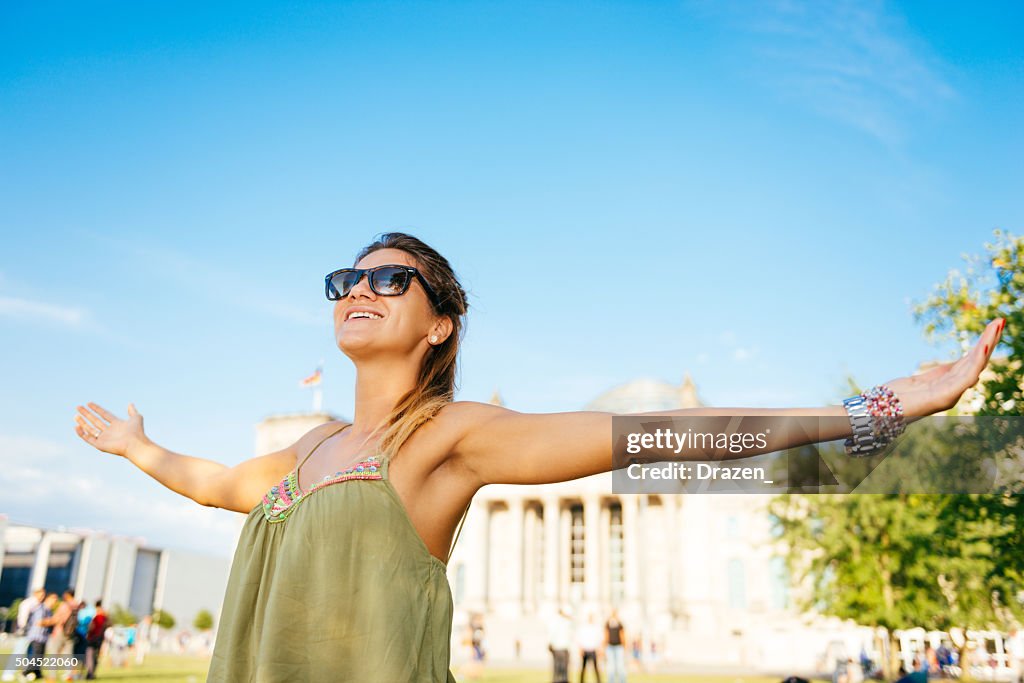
362	288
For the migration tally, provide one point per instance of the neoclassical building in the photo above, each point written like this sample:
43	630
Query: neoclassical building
696	575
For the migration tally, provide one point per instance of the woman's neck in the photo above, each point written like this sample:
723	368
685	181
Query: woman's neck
379	387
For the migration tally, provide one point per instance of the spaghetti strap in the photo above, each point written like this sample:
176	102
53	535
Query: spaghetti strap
313	450
458	531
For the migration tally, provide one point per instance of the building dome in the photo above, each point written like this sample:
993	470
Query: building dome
647	395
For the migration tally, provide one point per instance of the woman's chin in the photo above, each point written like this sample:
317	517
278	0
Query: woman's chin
358	344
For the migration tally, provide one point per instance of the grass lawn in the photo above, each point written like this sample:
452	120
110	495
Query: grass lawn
533	676
178	669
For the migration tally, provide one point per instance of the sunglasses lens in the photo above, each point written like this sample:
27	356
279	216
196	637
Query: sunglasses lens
390	281
341	284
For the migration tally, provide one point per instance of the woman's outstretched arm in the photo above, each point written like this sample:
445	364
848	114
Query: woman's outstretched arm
500	446
213	484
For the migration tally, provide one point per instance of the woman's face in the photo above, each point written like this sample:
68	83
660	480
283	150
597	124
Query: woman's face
406	320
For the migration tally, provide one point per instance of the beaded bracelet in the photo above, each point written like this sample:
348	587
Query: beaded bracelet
887	412
876	417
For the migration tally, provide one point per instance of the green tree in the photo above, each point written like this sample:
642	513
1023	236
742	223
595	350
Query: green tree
906	559
163	619
992	286
203	620
119	616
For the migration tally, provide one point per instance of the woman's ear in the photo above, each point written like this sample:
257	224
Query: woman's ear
442	328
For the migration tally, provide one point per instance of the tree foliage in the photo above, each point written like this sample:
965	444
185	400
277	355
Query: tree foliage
120	616
903	559
992	286
163	619
203	620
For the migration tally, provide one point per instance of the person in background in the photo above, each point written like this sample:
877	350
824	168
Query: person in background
944	655
559	639
40	624
476	627
142	639
26	607
854	673
615	649
866	665
840	673
80	644
637	651
588	640
94	639
62	638
117	646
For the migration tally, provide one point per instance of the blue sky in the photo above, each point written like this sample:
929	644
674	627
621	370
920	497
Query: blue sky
177	179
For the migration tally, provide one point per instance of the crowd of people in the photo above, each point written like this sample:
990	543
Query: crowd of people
63	626
593	643
942	661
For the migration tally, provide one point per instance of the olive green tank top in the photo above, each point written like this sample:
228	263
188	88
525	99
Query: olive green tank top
334	584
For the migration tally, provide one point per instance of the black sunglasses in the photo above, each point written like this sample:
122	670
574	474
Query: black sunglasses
390	280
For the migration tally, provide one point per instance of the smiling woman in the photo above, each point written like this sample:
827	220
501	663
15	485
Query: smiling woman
339	574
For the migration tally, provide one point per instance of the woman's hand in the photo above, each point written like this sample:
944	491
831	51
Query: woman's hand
941	387
106	432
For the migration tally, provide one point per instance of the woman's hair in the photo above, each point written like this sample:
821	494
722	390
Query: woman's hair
435	386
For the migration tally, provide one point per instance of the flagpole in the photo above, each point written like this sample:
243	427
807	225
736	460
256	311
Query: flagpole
318	392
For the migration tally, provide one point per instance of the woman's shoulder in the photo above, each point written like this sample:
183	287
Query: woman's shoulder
458	417
471	410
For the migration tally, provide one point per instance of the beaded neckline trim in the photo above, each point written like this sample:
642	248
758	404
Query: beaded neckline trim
281	499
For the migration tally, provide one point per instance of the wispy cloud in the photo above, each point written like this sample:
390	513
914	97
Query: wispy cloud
45	483
212	280
26	309
853	61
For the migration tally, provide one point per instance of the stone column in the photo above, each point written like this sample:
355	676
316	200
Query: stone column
42	562
631	546
513	552
674	504
591	548
552	528
529	559
472	551
604	563
642	575
564	560
495	583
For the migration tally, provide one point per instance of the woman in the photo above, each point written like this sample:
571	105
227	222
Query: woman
339	574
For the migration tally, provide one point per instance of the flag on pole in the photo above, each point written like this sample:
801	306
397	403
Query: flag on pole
313	380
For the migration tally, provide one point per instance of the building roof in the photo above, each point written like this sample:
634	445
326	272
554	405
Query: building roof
647	395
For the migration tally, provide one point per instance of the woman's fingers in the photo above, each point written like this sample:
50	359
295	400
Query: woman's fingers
86	427
86	431
105	414
85	435
970	366
93	420
985	346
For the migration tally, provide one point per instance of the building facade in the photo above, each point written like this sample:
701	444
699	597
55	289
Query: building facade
699	579
119	570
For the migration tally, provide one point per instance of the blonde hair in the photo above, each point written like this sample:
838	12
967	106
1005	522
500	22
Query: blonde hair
436	383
